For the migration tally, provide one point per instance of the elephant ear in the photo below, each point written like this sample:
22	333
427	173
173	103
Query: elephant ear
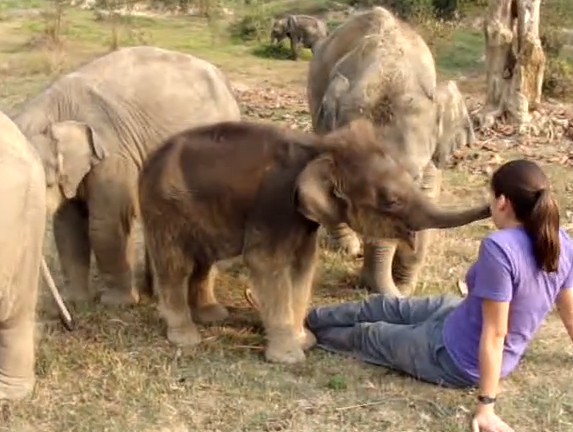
319	199
78	149
328	113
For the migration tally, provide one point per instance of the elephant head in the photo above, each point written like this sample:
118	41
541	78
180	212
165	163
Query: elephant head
279	30
357	182
455	128
69	150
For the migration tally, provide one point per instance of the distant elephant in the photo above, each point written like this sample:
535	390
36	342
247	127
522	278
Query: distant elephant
93	128
300	29
376	66
258	191
22	226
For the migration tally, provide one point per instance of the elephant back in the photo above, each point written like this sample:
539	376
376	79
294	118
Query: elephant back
373	42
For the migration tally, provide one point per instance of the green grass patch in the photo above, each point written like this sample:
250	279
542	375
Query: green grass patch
460	53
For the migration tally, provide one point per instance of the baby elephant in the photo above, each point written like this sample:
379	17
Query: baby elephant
238	188
304	29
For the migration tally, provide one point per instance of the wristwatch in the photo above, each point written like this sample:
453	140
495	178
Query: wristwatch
485	399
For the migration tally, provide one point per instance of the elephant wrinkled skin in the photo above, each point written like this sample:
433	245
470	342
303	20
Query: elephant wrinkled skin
93	128
22	225
264	200
303	30
376	66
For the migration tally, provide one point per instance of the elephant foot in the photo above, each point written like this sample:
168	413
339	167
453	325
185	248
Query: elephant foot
284	351
211	313
15	388
185	336
377	285
306	339
120	298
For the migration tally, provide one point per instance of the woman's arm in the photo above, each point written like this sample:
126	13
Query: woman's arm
564	305
494	328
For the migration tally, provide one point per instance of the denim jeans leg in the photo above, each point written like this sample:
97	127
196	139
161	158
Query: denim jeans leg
378	307
415	349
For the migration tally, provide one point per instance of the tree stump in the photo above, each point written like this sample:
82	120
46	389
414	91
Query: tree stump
515	62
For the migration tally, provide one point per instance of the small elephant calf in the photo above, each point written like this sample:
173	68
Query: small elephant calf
304	29
239	188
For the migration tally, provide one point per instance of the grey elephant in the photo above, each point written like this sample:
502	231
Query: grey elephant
303	30
374	65
93	129
22	226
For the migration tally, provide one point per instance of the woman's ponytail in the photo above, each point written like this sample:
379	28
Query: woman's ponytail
542	225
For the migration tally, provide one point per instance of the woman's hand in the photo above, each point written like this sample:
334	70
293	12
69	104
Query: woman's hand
486	420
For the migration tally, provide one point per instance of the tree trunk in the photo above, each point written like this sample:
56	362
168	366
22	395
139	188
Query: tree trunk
515	62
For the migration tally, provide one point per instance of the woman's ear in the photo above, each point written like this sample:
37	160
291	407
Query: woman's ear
319	199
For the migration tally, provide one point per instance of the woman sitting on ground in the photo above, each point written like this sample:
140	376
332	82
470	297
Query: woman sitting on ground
522	269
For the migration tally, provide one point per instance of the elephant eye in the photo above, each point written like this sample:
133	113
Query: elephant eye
389	201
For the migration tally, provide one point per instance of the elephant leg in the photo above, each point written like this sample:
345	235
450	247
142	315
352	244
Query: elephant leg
112	243
303	271
408	263
170	271
201	295
17	357
272	285
346	240
71	235
376	272
294	47
20	261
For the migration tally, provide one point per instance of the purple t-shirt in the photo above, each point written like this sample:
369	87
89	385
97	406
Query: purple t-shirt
506	271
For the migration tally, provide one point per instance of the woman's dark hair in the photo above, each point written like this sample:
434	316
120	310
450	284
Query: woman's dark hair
526	186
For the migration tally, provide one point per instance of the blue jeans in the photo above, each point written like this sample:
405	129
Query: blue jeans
403	334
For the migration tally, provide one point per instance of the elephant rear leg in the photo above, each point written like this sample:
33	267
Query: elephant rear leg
71	235
201	295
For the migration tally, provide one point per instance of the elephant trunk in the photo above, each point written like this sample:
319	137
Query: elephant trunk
424	214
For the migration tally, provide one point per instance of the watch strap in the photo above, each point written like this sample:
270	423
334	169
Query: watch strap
485	399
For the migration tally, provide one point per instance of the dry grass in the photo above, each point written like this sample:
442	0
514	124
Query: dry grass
117	372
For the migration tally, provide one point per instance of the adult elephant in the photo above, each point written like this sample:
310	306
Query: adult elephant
93	129
376	66
22	225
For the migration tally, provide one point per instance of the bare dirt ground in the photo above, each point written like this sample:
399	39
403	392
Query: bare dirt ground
117	372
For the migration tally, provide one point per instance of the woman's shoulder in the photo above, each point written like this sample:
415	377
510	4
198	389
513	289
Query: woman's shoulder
512	242
506	238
